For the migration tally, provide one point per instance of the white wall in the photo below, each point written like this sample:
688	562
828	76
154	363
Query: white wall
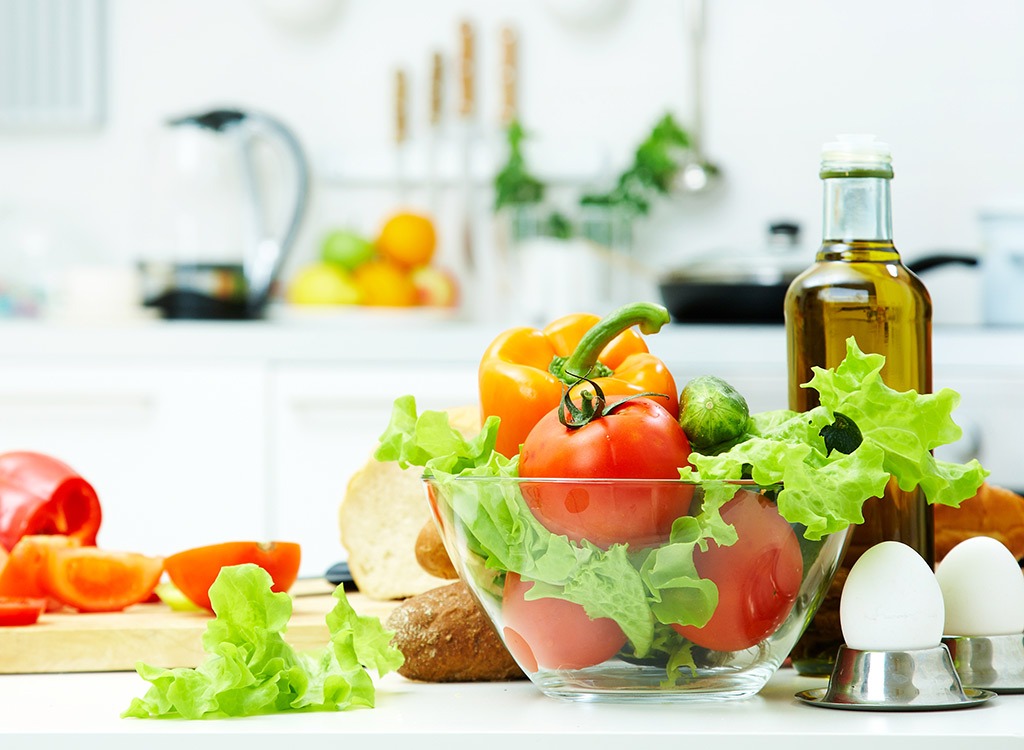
941	80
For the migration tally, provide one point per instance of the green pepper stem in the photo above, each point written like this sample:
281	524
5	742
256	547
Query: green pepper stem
648	316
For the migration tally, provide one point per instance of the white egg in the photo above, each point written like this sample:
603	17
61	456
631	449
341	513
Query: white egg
983	588
891	601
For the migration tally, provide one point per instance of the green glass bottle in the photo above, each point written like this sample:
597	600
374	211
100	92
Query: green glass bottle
859	287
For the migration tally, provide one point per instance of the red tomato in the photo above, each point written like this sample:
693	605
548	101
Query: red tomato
758	577
20	611
97	580
638	439
24	574
554	633
41	495
194	570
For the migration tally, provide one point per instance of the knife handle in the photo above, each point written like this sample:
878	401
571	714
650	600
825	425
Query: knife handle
509	74
401	107
467	76
436	88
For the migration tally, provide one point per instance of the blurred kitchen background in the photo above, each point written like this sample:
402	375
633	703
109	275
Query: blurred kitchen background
87	191
335	168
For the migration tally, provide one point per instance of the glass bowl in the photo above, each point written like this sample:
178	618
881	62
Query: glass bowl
635	589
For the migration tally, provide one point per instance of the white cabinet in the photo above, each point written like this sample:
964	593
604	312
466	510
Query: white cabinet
176	452
324	424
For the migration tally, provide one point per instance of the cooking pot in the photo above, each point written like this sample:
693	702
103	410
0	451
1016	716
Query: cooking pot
731	288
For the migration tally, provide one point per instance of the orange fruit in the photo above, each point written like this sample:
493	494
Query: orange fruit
408	239
386	284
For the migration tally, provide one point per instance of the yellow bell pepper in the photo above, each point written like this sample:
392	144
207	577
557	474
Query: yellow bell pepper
524	372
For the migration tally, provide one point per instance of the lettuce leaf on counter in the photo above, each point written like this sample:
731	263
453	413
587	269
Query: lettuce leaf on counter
250	669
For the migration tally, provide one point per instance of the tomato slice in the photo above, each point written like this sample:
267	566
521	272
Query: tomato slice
194	570
97	580
20	610
23	575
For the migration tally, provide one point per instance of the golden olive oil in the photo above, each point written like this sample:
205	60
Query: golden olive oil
859	287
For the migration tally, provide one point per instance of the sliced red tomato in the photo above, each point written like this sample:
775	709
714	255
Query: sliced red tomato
758	577
20	611
40	494
554	633
97	580
194	570
637	439
24	574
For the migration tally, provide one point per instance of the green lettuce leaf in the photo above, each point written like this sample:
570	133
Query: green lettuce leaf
825	491
250	669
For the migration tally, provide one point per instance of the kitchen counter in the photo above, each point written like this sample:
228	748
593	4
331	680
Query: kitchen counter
395	336
81	711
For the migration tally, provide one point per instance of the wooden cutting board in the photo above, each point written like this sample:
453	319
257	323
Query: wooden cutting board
153	633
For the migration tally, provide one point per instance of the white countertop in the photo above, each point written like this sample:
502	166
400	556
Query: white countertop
393	336
81	711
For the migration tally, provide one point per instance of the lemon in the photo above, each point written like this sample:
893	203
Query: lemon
323	284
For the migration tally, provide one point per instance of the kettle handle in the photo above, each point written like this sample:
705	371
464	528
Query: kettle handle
267	256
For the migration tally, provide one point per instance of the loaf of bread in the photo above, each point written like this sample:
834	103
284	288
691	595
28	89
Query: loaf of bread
994	511
446	637
382	514
431	554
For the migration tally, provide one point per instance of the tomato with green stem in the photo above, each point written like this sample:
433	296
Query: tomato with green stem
633	439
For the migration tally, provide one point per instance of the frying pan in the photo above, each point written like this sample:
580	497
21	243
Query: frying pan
750	294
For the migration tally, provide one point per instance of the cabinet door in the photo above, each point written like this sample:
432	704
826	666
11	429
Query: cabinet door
325	424
175	452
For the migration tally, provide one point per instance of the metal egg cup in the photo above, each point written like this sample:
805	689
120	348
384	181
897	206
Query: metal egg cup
993	662
919	680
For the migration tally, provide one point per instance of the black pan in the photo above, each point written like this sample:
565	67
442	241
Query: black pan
738	300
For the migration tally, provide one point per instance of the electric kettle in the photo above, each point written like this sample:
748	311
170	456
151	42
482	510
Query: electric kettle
222	241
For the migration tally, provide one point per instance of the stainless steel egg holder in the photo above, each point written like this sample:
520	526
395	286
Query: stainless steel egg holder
919	680
993	663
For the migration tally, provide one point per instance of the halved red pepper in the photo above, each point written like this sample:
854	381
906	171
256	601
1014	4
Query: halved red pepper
41	495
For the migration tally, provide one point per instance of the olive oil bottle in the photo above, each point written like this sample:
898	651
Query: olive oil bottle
859	287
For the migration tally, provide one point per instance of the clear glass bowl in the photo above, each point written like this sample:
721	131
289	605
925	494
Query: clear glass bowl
602	589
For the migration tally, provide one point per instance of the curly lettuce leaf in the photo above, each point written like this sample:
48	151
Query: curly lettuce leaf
250	669
825	490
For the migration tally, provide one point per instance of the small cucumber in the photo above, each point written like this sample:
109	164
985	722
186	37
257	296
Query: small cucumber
712	412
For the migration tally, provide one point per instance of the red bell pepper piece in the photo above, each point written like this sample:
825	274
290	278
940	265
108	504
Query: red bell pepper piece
42	495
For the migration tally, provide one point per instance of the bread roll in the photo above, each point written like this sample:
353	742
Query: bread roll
431	554
446	637
993	511
381	515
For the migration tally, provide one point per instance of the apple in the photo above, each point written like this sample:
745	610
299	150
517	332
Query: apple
435	286
346	248
323	284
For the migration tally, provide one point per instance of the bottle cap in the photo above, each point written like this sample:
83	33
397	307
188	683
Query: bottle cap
857	153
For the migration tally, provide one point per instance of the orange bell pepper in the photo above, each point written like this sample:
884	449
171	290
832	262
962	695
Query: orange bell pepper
524	372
